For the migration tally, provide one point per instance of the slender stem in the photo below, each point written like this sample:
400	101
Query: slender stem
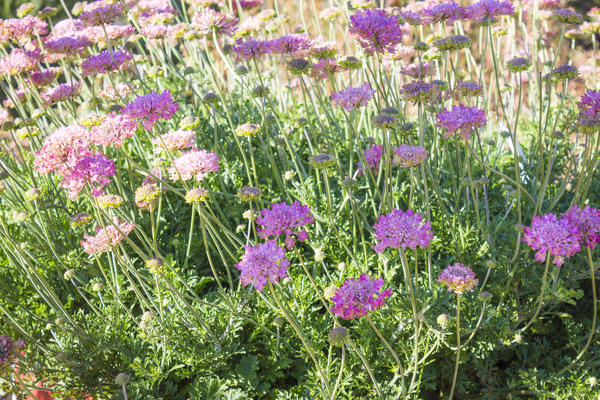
539	307
458	347
339	379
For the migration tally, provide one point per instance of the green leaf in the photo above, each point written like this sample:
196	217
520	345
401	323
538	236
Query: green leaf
246	370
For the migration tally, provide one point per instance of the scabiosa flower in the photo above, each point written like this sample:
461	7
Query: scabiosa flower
297	45
196	195
62	92
19	62
146	193
284	219
416	70
446	12
385	121
357	297
8	349
209	20
101	15
106	62
400	229
409	156
112	130
411	18
373	157
107	237
587	125
325	69
121	91
151	107
80	219
375	30
249	193
157	31
262	263
62	149
567	16
518	64
461	119
400	52
469	89
19	28
321	161
589	104
249	49
419	91
350	62
587	222
330	13
43	77
110	201
564	72
94	169
66	45
456	42
298	66
352	98
321	49
195	163
549	234
458	278
174	140
489	9
247	129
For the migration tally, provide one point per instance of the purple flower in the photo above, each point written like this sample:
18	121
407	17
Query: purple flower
549	234
249	49
291	44
8	349
352	98
263	263
375	30
103	62
151	107
43	77
490	9
590	103
458	278
409	156
62	92
93	169
195	163
461	119
66	45
469	89
587	222
284	219
355	298
420	91
400	229
446	12
101	15
411	18
373	159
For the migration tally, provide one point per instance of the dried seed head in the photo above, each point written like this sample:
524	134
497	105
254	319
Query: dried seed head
247	130
485	296
122	379
33	194
80	219
155	265
210	98
338	336
321	161
196	195
443	319
110	201
249	193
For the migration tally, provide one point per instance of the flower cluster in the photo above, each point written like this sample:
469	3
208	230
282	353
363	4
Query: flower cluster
151	107
113	129
402	229
589	104
490	8
409	156
552	236
250	49
352	98
357	297
106	61
194	164
92	169
284	219
174	140
373	158
587	222
461	119
375	30
62	92
458	278
444	12
101	15
19	62
209	20
419	91
8	349
107	237
262	263
469	89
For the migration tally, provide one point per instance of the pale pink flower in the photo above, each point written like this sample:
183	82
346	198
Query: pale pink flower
174	140
194	164
106	238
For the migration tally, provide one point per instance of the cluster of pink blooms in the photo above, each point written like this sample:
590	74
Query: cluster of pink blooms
589	105
461	119
402	229
352	98
106	61
409	156
151	107
357	297
209	20
93	169
373	159
194	164
62	149
284	219
18	28
553	236
324	68
296	45
106	237
587	222
174	140
490	9
101	15
8	349
62	92
19	62
375	30
262	263
112	130
420	70
250	49
458	278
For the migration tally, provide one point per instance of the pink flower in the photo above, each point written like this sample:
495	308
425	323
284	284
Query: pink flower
157	31
413	70
400	229
356	298
375	30
409	156
18	28
115	94
62	92
19	62
8	349
66	45
352	98
490	9
590	103
284	219
461	119
587	222
107	237
96	34
101	15
400	52
291	44
113	130
93	169
325	68
263	263
249	49
209	20
247	4
62	149
447	12
373	159
195	163
549	234
458	278
103	62
174	140
151	107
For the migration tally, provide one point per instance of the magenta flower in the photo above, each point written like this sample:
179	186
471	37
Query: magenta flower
113	130
107	237
101	15
590	103
458	278
249	49
247	4
325	68
291	44
19	62
400	229
194	164
356	298
174	140
549	234
461	119
352	98
265	262
409	156
62	92
103	62
373	159
94	169
209	20
587	222
375	30
490	9
446	12
8	349
66	45
62	149
151	107
44	77
285	219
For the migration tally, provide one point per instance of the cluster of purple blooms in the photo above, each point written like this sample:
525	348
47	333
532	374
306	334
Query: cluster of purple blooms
8	350
284	219
262	263
401	229
357	297
461	120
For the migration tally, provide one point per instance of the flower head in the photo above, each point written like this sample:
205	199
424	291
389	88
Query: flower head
8	349
447	12
469	89
106	61
564	72
402	229
194	164
518	64
417	70
20	28
325	69
458	278
106	237
587	222
375	30
247	129
296	45
19	62
250	49
590	103
62	149
461	119
174	140
409	156
209	20
357	297
373	158
567	16
455	42
262	263
93	169
66	45
62	92
112	130
101	15
284	219
352	98
548	234
489	9
419	91
151	107
249	193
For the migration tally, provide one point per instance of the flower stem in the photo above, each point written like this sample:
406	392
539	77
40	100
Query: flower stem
457	345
